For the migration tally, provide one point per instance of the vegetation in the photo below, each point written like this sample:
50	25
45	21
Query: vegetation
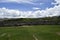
37	32
35	19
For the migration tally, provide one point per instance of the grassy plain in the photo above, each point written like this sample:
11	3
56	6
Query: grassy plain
37	32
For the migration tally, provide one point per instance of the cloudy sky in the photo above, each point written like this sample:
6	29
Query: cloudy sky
29	8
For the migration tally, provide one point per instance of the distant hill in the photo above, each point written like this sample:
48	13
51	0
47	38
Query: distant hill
30	21
56	18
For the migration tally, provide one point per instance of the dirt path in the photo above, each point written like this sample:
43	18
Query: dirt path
3	34
35	37
58	33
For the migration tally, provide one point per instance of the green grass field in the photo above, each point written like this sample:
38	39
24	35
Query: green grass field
37	32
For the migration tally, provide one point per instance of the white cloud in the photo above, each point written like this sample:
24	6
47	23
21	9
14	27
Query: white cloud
18	1
58	1
53	11
54	3
36	8
22	1
9	13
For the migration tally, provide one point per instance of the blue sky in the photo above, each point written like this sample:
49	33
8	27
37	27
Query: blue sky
28	8
42	4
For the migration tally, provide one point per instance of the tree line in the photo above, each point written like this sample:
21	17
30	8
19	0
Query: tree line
31	21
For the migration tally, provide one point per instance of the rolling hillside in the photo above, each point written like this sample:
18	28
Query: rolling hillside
30	21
